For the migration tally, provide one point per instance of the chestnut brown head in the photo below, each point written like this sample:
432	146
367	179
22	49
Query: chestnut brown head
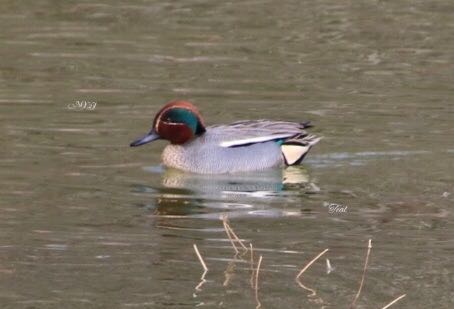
177	122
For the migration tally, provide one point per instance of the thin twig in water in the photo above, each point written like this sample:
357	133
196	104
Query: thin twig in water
252	265
298	280
224	219
202	282
394	301
205	268
369	247
257	283
257	273
236	237
310	263
231	234
229	272
313	293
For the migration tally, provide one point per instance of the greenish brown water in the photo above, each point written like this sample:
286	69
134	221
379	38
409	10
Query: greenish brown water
87	222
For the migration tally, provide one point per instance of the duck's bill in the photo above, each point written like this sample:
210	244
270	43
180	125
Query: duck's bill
152	136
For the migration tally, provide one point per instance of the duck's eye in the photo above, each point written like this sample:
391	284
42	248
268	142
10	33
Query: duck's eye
177	115
167	117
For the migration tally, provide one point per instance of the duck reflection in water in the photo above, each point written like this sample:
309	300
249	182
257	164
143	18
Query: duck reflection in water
243	194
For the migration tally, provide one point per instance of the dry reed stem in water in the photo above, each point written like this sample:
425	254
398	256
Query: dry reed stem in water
313	292
231	233
257	273
369	247
236	237
205	268
394	301
310	263
202	282
229	272
252	265
230	237
311	297
257	283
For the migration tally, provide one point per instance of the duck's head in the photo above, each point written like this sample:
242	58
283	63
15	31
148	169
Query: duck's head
177	122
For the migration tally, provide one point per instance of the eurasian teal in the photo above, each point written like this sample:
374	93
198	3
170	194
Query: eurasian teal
241	146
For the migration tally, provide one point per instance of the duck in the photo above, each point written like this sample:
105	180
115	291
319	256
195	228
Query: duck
241	146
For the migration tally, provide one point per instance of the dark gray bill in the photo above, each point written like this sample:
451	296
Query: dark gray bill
152	136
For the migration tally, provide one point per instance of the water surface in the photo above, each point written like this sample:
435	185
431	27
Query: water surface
88	222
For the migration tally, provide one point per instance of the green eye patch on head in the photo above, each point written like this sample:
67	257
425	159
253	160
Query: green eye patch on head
181	115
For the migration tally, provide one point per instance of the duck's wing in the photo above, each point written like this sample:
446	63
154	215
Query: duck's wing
247	132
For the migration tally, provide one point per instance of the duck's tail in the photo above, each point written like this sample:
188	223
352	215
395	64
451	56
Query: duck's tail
296	148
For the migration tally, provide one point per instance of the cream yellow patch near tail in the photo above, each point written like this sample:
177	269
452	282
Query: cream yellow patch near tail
295	150
293	153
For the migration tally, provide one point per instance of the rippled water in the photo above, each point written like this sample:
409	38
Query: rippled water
88	222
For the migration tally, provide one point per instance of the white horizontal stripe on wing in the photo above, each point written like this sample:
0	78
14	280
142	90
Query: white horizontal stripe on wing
253	140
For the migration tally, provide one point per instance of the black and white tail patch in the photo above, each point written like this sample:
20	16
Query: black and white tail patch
294	150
